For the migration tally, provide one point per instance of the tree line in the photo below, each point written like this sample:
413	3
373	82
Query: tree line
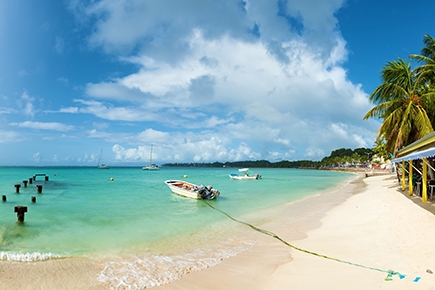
337	157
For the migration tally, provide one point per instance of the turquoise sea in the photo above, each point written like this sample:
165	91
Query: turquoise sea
129	216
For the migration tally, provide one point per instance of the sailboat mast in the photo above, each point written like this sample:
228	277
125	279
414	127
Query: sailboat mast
151	155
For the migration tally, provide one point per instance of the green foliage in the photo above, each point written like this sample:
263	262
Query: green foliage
341	152
405	100
337	157
380	149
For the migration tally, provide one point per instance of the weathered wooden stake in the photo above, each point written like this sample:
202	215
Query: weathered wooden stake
30	180
20	210
46	178
3	197
17	188
25	183
33	198
39	188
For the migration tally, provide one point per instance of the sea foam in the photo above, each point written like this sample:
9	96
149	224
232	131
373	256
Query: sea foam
155	270
28	257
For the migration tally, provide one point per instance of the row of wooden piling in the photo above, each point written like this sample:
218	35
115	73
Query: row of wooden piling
33	199
18	186
20	210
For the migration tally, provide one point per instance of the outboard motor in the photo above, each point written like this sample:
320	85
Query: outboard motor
203	192
206	192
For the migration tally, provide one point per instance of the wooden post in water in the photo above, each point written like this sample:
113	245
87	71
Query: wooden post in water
25	183
17	188
20	210
33	198
3	197
30	180
39	188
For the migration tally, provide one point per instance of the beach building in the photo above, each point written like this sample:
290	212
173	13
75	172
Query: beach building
417	162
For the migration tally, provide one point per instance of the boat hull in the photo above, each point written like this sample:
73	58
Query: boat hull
190	190
247	175
150	168
243	177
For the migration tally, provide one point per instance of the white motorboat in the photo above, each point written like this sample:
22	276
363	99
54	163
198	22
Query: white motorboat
247	175
191	190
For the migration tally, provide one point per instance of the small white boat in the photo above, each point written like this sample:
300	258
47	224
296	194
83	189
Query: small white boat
191	190
152	166
102	165
247	175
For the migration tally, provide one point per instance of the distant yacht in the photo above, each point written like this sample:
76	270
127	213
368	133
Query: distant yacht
101	165
152	166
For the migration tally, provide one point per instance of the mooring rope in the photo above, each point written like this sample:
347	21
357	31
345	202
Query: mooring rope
390	273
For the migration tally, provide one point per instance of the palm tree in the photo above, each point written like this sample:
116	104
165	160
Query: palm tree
379	149
426	72
400	101
427	57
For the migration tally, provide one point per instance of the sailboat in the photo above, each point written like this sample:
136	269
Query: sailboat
101	165
151	166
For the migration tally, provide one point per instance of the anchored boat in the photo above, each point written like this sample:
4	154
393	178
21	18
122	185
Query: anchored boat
101	164
191	190
247	175
152	166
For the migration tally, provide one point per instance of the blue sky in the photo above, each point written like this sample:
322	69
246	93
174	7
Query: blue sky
203	81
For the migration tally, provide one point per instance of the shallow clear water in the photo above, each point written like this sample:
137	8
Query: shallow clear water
83	211
129	222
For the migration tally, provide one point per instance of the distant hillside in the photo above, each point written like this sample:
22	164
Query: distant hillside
342	155
252	164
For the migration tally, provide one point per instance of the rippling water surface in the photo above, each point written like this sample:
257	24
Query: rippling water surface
130	214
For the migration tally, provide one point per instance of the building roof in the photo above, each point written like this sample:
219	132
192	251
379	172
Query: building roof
426	142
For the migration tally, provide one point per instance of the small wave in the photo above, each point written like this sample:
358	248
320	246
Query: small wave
28	257
151	271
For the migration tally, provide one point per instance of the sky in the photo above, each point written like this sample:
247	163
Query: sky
199	80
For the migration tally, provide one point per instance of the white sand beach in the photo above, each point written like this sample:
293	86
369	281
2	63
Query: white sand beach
369	222
379	227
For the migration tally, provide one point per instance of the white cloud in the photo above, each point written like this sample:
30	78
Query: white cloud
259	75
150	136
10	137
63	80
36	157
25	103
69	110
109	112
53	126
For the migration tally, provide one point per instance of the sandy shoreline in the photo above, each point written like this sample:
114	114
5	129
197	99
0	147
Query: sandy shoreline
368	222
379	228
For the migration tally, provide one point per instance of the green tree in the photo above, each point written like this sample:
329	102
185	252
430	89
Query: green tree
426	72
399	101
379	148
356	158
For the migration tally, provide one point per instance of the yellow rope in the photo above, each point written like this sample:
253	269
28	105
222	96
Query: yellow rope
390	273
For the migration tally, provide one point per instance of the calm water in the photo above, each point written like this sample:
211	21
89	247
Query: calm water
82	211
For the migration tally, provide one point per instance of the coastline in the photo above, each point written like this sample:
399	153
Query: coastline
367	221
374	226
